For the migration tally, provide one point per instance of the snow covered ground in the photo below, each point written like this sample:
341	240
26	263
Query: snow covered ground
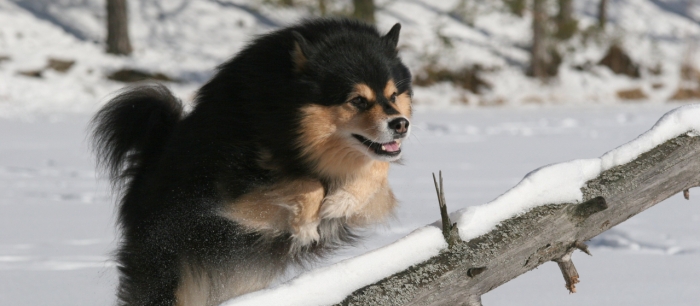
57	219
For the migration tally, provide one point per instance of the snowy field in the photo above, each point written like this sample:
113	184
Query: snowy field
57	217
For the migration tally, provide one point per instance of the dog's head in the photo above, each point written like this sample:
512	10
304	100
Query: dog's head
361	92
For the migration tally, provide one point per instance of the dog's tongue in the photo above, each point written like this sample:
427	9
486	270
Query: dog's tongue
391	147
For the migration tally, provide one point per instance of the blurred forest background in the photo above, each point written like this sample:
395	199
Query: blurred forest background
69	55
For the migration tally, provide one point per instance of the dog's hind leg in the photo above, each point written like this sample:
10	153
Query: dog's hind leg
193	288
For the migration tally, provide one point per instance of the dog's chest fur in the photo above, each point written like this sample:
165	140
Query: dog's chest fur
298	206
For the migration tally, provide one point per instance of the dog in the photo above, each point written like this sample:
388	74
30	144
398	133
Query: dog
282	159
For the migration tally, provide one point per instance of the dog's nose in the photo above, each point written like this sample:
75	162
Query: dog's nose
399	126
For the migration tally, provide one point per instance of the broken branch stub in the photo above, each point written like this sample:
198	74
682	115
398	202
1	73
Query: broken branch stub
449	229
582	246
568	270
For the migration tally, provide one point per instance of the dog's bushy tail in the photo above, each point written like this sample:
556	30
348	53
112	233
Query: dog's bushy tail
130	131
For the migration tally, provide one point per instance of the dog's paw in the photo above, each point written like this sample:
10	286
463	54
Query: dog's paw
306	234
338	205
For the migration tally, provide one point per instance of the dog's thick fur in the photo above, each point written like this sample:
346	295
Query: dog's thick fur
284	154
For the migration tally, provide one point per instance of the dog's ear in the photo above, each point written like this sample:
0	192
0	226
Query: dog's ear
301	51
392	38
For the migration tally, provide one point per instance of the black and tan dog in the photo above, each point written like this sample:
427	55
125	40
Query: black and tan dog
284	154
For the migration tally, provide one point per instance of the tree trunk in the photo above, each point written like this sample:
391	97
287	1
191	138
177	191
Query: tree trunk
566	10
466	270
364	10
117	28
602	13
516	7
322	7
538	53
566	24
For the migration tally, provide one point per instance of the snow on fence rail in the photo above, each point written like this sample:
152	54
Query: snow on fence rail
562	204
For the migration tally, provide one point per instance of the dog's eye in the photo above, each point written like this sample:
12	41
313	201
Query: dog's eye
360	102
392	99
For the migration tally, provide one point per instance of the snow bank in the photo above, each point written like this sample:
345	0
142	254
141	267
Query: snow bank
553	184
676	122
332	284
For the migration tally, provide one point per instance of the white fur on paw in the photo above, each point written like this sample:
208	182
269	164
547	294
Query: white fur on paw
338	205
307	234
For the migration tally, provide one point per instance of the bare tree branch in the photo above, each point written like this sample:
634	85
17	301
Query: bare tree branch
466	270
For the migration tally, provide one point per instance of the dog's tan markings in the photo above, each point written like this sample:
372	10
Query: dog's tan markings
403	101
363	199
193	288
325	141
403	104
202	287
307	198
288	206
379	207
364	91
238	281
265	160
390	89
368	122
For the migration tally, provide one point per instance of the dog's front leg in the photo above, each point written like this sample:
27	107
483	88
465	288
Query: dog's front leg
353	196
305	197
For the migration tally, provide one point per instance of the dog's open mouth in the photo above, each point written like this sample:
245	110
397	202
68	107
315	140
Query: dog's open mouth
387	149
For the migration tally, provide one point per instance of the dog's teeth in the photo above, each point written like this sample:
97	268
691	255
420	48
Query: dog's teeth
398	145
383	148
